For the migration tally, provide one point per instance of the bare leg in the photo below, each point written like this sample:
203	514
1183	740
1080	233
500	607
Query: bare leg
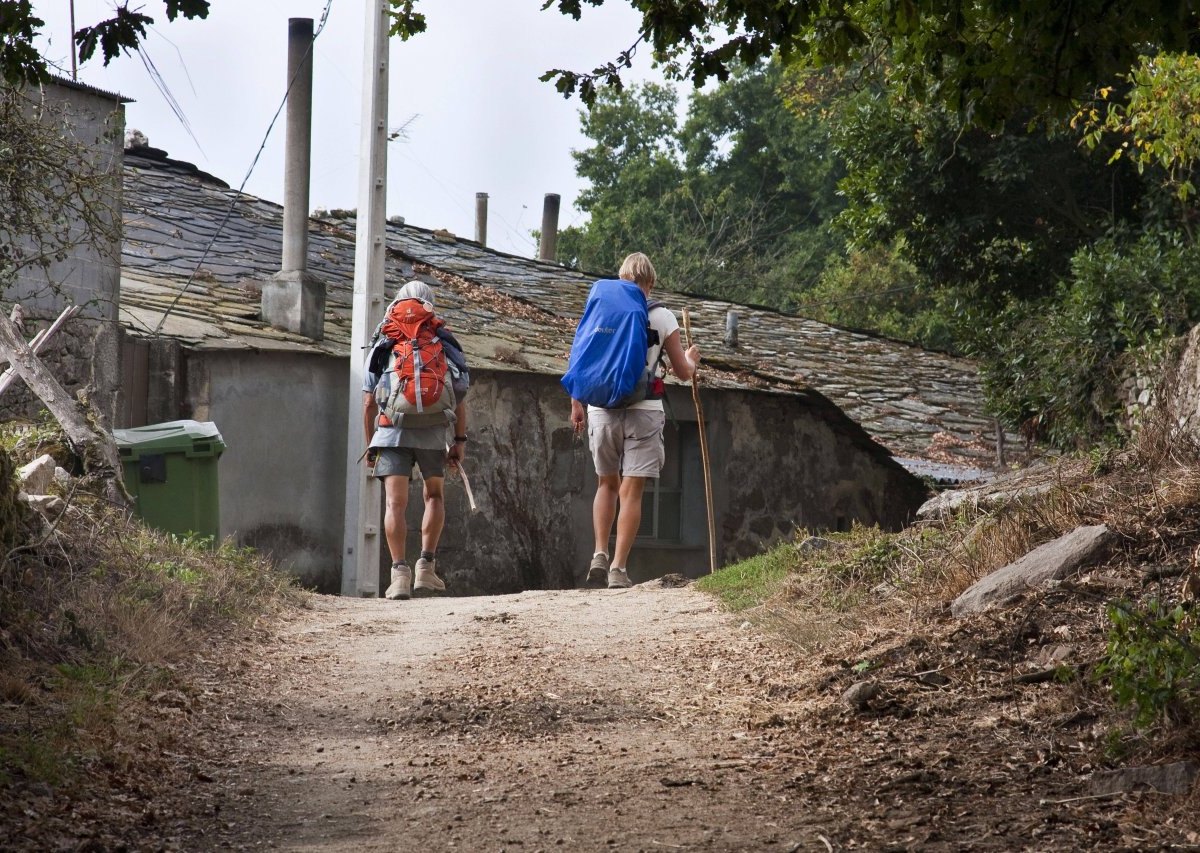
432	522
435	514
395	493
604	510
629	519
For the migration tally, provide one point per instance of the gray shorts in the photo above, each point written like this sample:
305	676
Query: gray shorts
628	442
394	461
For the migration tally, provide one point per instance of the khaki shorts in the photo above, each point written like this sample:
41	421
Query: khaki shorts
628	442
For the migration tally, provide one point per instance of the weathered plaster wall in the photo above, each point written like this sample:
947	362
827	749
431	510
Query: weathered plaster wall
282	486
527	473
85	354
783	463
779	463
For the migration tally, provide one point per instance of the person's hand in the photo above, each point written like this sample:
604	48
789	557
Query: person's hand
455	454
578	416
693	356
372	457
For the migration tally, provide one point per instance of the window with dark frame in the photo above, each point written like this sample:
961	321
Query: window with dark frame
662	500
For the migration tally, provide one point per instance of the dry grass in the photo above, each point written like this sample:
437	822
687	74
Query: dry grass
97	614
842	587
1012	701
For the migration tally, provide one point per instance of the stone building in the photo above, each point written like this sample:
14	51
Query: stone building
805	422
87	126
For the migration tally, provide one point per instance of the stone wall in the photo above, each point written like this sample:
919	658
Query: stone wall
1168	385
796	463
780	462
85	353
84	358
527	475
1179	388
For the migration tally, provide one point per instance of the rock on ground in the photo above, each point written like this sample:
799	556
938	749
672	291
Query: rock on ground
1052	561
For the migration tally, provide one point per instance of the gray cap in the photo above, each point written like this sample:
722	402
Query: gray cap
416	290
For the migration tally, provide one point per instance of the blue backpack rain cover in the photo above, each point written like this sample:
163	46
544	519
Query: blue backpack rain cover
608	355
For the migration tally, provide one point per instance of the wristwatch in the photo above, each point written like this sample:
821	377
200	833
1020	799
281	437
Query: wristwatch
460	439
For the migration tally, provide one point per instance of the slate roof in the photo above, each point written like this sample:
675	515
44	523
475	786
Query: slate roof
511	313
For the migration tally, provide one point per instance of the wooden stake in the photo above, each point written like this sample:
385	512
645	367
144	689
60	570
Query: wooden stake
708	496
97	450
466	484
39	342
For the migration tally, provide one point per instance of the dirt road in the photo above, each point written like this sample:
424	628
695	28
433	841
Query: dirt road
637	720
579	720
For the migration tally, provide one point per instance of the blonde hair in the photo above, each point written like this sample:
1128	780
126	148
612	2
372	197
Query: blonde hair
638	269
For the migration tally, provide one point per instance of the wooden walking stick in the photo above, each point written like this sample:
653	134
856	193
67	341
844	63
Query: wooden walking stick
708	497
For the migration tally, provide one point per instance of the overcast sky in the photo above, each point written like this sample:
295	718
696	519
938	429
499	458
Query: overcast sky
481	121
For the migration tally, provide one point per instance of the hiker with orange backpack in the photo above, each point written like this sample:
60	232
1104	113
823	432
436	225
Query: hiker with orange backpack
414	414
614	370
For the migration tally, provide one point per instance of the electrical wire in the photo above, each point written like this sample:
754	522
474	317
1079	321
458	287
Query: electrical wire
239	192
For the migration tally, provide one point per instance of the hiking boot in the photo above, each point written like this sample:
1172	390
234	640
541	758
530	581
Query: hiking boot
427	579
401	583
597	570
618	579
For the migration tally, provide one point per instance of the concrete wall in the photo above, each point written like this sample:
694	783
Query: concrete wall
796	463
86	352
282	416
779	463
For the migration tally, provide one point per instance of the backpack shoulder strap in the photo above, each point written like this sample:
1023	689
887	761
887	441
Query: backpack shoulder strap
447	337
653	336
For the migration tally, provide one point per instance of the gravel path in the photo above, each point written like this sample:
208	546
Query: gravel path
581	720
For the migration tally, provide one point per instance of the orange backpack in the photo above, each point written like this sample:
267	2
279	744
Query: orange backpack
419	392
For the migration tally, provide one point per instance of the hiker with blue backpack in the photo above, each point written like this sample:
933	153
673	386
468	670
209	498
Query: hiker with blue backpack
414	414
615	370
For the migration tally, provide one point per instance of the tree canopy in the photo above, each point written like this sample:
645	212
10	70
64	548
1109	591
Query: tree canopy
21	63
123	32
985	60
733	201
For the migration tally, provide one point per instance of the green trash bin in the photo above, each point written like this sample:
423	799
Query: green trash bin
171	473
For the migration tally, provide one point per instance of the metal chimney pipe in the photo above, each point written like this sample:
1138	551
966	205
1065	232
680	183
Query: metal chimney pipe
731	329
298	145
481	200
549	227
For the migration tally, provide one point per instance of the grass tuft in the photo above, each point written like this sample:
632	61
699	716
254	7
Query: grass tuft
751	582
859	599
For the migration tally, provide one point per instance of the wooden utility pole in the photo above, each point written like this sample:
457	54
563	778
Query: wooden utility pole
360	553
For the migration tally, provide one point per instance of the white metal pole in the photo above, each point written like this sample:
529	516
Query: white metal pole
360	555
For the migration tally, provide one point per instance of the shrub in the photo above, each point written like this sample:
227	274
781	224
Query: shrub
1061	359
880	290
1151	662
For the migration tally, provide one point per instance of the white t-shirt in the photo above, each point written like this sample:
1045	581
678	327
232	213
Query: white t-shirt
662	320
